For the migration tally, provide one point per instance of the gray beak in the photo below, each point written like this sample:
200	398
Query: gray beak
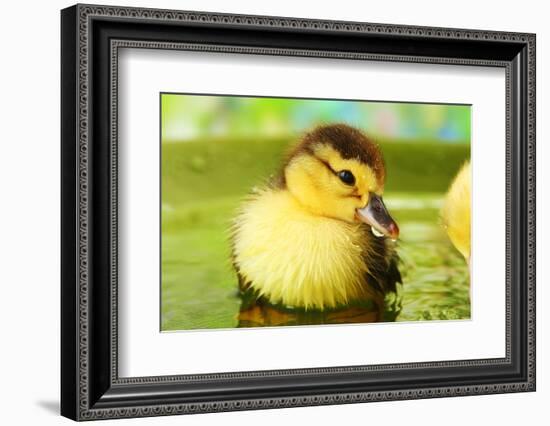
376	215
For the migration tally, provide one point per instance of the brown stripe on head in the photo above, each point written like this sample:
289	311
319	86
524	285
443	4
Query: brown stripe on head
350	142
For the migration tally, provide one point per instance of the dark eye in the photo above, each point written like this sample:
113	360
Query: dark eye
347	177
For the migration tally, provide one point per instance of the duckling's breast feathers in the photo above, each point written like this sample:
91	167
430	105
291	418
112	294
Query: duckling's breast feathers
289	256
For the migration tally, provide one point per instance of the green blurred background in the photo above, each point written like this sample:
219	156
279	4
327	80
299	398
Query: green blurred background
216	148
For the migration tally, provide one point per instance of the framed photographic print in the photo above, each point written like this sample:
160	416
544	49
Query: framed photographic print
263	212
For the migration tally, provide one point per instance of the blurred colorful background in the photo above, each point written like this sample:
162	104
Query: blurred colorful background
216	148
188	117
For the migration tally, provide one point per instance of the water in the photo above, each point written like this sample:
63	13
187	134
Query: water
199	287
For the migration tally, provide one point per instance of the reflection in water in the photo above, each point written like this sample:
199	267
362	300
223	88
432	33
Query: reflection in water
260	313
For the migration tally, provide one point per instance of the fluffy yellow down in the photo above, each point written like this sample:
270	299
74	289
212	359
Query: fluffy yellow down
296	258
456	211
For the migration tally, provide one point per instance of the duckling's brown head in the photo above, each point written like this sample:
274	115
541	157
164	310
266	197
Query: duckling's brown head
336	171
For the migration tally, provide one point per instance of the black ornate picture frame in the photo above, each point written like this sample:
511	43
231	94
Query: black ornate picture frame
90	38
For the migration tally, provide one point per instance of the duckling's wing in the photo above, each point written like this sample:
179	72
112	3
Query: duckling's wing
393	276
383	268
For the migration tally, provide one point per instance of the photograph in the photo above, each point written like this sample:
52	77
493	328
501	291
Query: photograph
347	209
295	211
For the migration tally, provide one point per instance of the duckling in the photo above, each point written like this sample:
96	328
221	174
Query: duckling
456	211
318	236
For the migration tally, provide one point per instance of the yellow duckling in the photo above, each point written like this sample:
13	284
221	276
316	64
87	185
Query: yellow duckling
318	236
456	211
